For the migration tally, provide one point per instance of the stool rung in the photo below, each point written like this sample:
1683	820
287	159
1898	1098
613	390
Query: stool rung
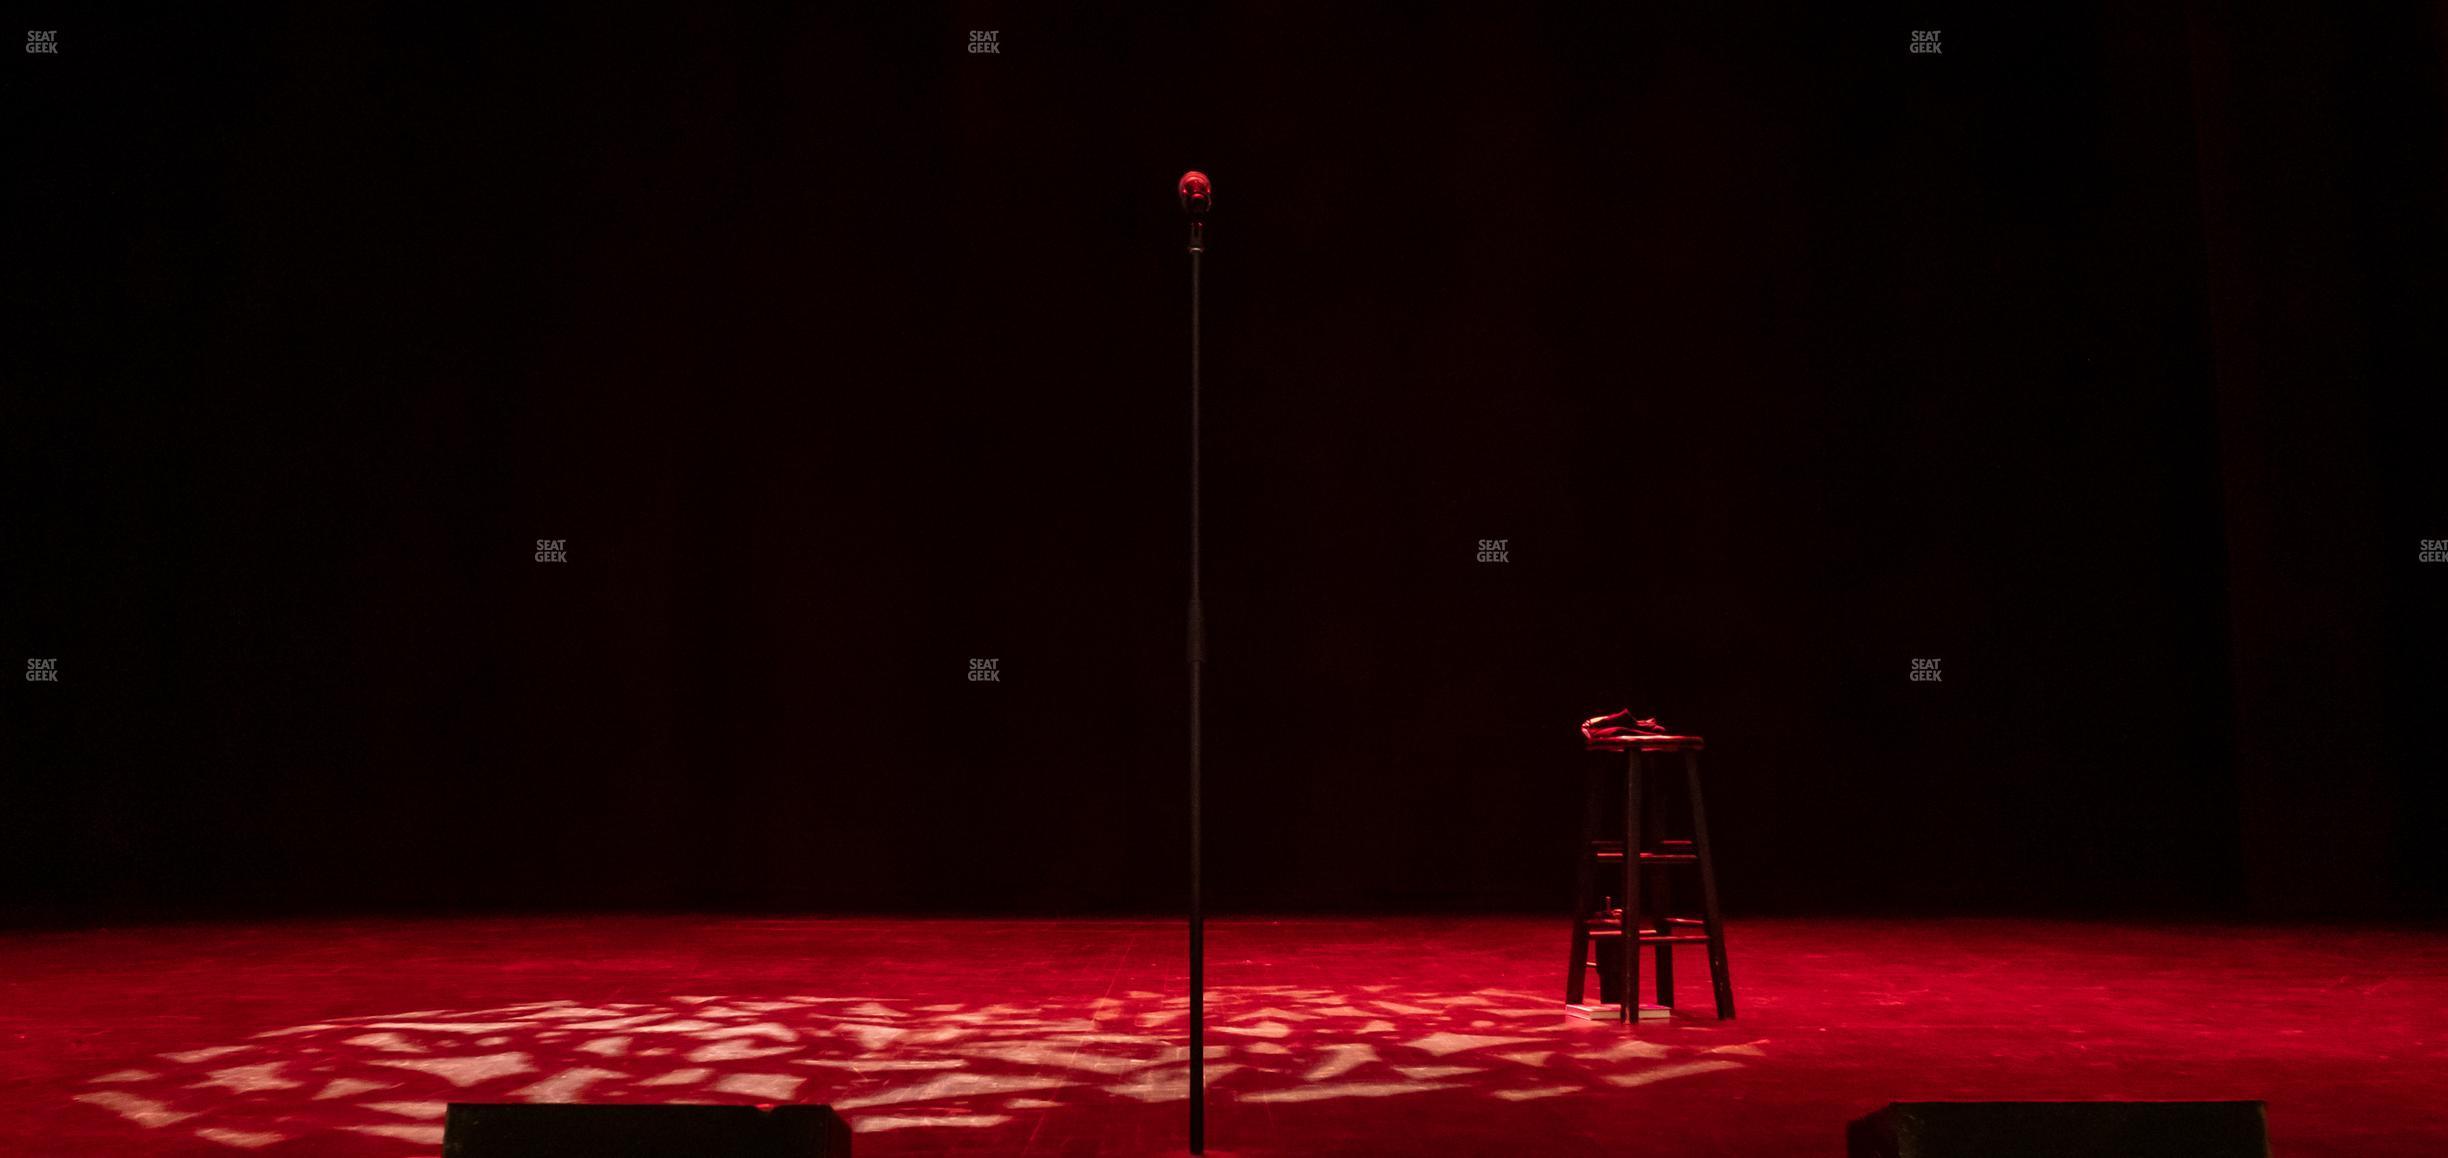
1649	938
1673	852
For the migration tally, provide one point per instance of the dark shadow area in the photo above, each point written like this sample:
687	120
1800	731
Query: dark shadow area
2096	358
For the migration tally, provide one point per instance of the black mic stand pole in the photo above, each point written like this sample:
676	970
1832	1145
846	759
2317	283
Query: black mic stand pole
1198	663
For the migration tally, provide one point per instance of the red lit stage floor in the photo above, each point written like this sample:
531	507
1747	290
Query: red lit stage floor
1419	1036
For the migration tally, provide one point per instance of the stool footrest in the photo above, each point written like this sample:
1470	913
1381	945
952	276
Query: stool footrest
1667	852
1652	938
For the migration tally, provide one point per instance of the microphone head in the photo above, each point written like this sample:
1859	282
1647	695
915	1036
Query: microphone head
1196	196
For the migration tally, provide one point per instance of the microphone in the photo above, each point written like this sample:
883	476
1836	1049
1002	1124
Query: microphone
1196	195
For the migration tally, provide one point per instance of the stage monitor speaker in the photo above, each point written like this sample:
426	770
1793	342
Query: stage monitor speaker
526	1130
2061	1130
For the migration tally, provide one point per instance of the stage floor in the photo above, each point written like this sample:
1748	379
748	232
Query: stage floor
1379	1036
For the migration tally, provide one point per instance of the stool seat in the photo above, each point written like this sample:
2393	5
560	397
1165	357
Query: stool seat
1602	734
1644	742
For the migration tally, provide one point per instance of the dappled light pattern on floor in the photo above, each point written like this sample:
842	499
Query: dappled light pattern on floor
885	1065
1334	1037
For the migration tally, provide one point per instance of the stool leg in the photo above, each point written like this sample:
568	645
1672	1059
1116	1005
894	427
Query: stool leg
1629	990
1661	902
1711	918
1585	884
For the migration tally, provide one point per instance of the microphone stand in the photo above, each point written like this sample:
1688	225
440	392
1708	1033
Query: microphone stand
1198	663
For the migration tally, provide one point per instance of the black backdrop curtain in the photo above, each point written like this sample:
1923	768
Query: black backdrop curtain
2093	357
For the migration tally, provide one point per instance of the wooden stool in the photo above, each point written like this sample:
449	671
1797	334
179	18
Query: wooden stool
1619	978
